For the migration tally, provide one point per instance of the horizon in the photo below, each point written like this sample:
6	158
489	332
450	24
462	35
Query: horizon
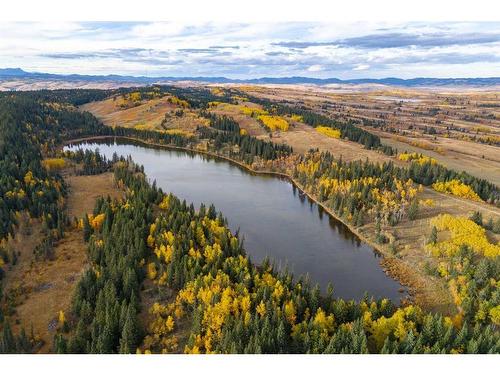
244	51
246	79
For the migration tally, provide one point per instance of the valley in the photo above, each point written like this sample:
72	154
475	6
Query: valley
145	240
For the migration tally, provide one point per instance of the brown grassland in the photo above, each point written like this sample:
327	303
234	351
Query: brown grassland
461	119
43	288
155	114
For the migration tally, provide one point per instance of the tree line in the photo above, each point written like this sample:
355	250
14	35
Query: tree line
249	147
348	129
224	123
231	305
227	304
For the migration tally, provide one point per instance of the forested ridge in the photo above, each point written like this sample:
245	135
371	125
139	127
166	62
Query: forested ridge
231	305
203	294
357	188
25	183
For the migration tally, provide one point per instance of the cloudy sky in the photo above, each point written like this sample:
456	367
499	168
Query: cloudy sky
251	50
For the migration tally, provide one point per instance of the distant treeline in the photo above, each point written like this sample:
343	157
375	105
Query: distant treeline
75	97
249	146
197	98
151	136
347	130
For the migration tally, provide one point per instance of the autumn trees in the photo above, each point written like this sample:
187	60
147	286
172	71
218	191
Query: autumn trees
463	231
248	147
382	190
348	130
25	184
221	303
329	132
457	188
416	157
274	123
428	173
205	295
357	190
469	263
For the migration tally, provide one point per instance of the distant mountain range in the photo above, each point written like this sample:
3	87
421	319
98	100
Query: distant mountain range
17	73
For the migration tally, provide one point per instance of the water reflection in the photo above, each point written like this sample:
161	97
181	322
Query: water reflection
274	217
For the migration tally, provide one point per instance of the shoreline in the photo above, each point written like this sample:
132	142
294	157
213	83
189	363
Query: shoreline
389	264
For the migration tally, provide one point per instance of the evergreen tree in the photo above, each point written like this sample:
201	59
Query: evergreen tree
128	340
87	230
434	236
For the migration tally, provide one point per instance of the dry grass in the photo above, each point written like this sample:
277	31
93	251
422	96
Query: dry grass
146	115
250	124
46	287
86	189
455	113
459	155
408	265
303	137
111	114
300	136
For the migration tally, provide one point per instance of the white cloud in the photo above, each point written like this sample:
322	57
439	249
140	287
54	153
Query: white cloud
344	50
361	67
315	68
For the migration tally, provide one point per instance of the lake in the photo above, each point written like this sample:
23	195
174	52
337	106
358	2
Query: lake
273	217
